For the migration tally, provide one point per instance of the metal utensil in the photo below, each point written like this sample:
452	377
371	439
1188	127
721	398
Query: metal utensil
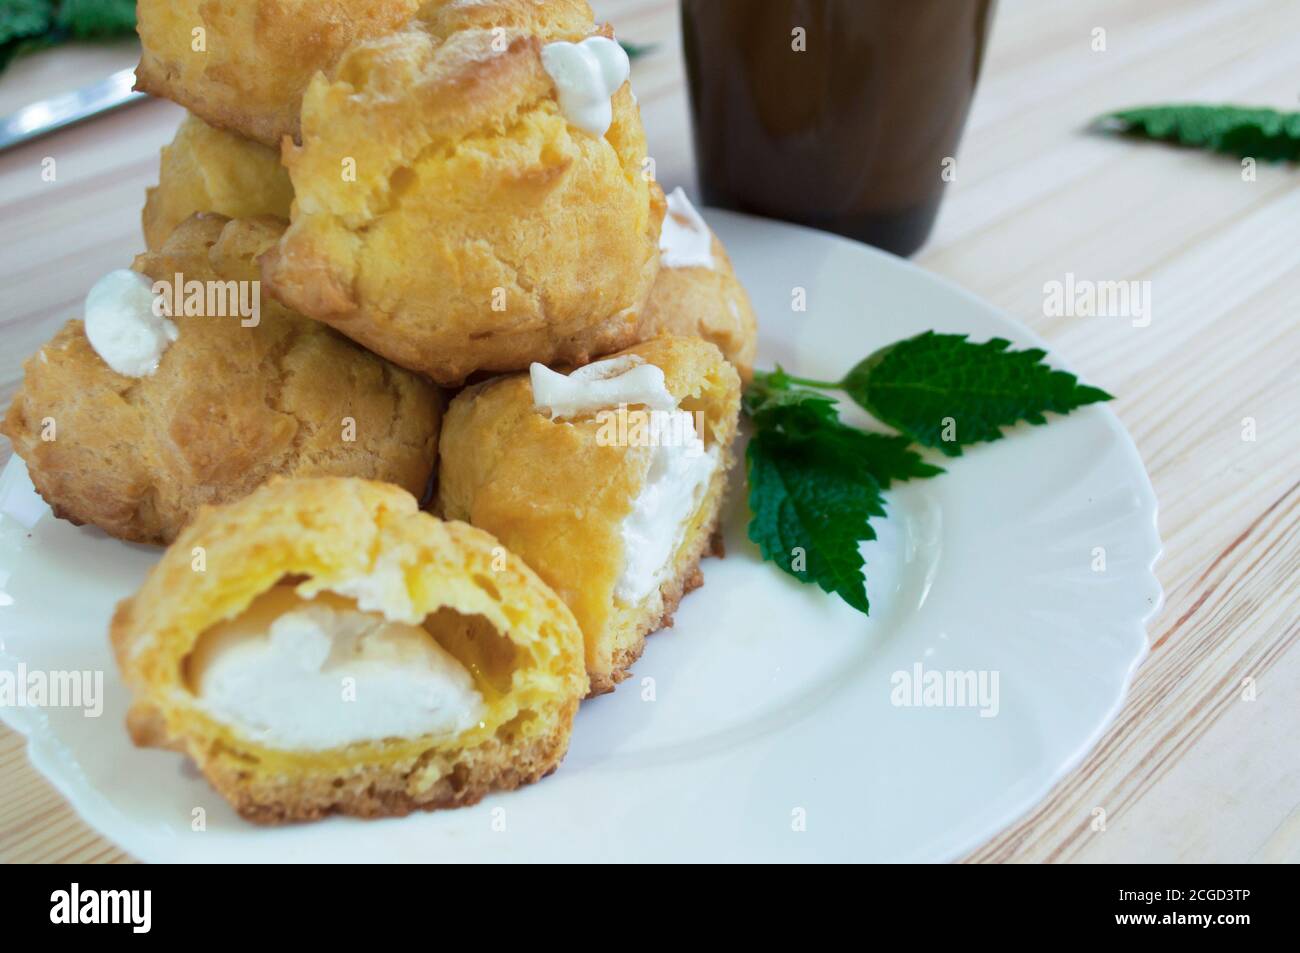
58	111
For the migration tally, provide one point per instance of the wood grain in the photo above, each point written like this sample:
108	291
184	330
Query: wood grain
1190	770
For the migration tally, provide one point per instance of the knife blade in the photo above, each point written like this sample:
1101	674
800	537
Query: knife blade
59	111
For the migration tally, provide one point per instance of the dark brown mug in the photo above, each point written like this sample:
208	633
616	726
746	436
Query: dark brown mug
840	114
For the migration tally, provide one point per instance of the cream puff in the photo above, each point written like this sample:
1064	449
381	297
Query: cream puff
244	65
206	169
697	293
321	646
155	404
470	193
608	481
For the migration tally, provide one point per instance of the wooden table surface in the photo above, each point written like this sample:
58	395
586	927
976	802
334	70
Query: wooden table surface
1191	770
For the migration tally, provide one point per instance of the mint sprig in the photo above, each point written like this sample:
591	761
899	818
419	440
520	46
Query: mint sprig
96	19
944	391
20	19
29	25
637	50
23	23
812	505
815	482
1242	131
775	405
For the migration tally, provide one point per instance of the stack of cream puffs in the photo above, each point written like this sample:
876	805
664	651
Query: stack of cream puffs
430	392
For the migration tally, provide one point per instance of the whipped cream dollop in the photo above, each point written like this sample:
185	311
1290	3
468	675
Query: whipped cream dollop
586	75
675	483
684	241
601	385
293	673
124	326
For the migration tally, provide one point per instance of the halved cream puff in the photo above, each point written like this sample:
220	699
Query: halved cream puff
608	481
322	646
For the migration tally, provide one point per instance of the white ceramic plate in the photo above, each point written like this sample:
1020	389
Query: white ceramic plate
762	726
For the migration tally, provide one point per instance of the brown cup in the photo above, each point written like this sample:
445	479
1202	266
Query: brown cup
850	134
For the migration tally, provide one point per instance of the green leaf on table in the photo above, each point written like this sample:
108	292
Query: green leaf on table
23	24
23	19
944	391
97	19
810	507
1242	131
30	25
637	50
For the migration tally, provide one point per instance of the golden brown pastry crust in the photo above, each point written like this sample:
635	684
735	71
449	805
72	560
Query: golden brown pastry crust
385	790
475	229
708	303
325	532
206	169
706	542
556	493
228	408
258	55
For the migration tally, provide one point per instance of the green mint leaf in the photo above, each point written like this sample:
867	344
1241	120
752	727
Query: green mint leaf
884	457
944	391
1242	131
637	50
23	26
801	414
30	25
24	19
815	483
810	508
97	19
771	400
887	457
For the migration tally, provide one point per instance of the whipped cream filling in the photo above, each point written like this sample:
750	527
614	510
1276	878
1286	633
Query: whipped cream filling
677	473
684	241
294	673
123	324
601	385
586	75
675	483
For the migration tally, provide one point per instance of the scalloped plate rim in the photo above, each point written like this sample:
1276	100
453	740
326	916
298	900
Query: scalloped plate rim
47	752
